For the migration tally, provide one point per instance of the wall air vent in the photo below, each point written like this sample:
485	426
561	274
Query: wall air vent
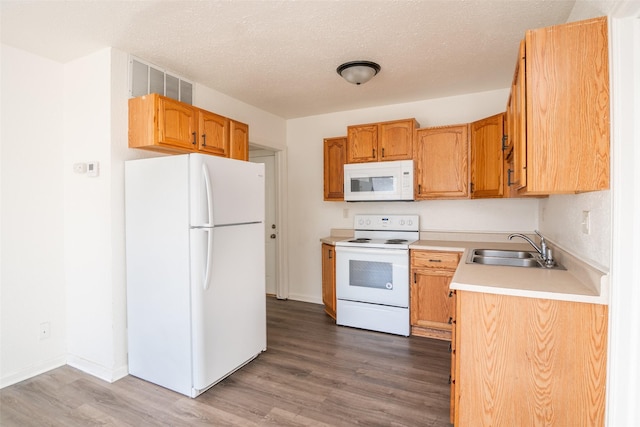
146	78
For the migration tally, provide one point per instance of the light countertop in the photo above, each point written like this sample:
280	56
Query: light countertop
580	282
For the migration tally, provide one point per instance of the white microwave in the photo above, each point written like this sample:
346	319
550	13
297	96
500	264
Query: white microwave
378	181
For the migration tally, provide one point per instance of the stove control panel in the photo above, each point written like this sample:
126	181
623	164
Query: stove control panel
387	222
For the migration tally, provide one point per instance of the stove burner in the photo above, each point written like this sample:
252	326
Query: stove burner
396	241
360	240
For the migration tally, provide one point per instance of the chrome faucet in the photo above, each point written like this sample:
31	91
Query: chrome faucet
543	250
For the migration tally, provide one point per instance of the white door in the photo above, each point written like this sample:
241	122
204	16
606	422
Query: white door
271	232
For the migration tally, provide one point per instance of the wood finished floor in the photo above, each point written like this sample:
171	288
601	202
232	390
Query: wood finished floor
313	373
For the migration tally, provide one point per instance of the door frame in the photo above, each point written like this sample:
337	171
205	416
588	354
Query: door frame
282	253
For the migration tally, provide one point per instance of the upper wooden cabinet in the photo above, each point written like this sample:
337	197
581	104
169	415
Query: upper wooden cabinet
238	140
487	157
441	156
213	134
516	131
381	141
163	124
335	154
567	109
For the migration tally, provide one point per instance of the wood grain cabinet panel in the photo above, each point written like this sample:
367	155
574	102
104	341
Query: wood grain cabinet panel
567	108
335	156
487	157
441	156
238	140
529	362
383	141
329	279
162	124
431	305
213	134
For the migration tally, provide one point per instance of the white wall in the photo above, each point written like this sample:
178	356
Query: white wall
32	280
89	271
265	129
561	222
310	218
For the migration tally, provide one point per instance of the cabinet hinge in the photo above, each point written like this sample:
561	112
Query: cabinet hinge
504	142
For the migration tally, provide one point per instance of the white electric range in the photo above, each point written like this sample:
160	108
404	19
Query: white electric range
372	273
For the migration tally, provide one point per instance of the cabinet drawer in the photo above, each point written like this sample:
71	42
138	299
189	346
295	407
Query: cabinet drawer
439	260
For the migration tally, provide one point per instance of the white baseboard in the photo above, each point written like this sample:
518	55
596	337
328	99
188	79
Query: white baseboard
305	298
99	371
32	371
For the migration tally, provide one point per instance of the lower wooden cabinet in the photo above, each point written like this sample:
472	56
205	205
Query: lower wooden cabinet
329	279
528	361
431	304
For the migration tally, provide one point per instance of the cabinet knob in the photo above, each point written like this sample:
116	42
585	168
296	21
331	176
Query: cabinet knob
194	142
204	139
451	320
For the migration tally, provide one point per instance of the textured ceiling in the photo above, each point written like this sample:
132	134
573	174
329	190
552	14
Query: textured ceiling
281	56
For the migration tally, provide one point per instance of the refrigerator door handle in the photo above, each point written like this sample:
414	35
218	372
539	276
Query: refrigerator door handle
207	186
207	269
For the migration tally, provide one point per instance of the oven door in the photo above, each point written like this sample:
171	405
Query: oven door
372	275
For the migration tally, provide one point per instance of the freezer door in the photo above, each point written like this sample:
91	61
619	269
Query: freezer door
225	191
229	313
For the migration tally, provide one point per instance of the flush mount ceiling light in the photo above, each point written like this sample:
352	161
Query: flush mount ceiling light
358	72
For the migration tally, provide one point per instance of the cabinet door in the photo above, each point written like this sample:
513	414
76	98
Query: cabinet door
567	107
487	157
430	301
213	134
529	361
362	143
517	124
454	346
176	124
441	162
329	279
395	140
335	154
238	140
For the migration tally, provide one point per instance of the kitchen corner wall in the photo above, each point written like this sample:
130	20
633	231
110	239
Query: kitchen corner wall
561	220
31	229
311	218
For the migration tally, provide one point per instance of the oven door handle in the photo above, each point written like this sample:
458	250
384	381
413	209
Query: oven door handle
369	251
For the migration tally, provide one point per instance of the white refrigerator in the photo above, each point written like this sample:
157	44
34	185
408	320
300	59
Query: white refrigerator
195	269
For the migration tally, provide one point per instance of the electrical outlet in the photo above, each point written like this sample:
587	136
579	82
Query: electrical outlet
586	222
45	330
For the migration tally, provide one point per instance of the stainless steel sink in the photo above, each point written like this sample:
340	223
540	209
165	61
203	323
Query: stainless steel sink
508	258
503	253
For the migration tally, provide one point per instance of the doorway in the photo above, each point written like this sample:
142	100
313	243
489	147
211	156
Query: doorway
271	229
